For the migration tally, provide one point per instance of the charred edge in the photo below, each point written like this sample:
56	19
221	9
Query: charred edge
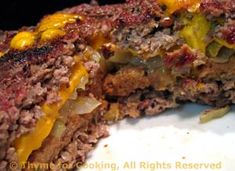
28	55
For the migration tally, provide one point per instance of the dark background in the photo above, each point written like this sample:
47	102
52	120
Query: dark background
17	13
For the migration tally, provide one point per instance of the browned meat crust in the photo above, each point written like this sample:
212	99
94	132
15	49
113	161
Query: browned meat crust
126	81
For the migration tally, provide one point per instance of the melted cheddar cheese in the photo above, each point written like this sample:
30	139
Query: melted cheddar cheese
57	20
98	40
50	34
22	40
1	54
33	140
174	5
195	32
49	28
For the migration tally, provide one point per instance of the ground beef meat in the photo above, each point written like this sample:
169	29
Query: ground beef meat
92	67
5	37
179	63
217	7
191	89
228	84
3	133
23	88
179	58
108	18
125	81
155	105
150	101
82	142
146	40
54	144
131	13
182	61
227	32
33	77
35	95
145	102
216	71
206	92
130	109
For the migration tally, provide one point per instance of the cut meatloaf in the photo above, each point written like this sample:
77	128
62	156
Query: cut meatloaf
40	68
63	80
170	61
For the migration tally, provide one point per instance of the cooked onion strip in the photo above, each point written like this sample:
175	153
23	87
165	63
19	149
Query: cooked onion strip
214	113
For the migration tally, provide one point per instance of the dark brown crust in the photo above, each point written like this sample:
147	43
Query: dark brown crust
125	82
10	76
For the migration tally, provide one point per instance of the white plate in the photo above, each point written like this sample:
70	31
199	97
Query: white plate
172	141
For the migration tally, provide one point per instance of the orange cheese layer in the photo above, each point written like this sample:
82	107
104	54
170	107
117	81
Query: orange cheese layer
174	5
49	28
1	54
33	140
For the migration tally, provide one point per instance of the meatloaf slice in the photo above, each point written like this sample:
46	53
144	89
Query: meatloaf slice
64	79
44	67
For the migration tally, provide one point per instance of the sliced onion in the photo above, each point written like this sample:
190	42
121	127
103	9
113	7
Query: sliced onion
82	85
92	54
96	56
122	56
81	105
113	114
213	49
224	55
58	129
224	43
67	109
211	114
83	82
74	95
85	105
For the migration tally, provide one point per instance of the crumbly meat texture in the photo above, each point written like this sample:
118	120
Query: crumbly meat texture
28	79
32	77
183	73
218	7
81	135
